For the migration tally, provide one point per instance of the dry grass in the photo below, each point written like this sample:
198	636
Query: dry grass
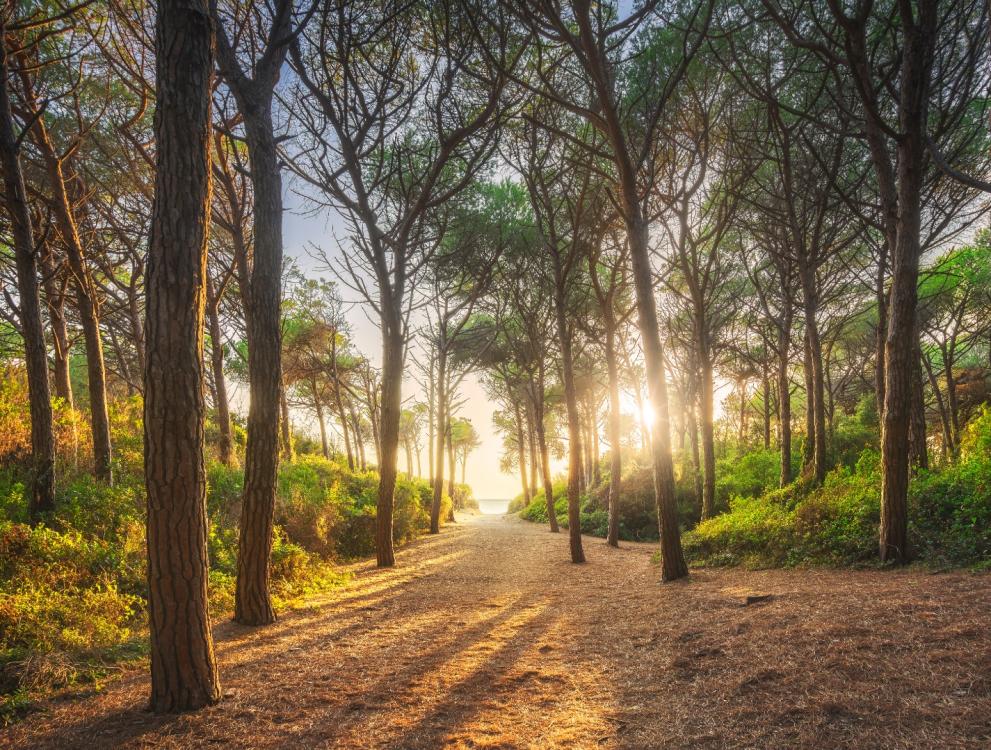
485	637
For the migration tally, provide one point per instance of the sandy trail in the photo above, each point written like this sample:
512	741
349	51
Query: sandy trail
487	637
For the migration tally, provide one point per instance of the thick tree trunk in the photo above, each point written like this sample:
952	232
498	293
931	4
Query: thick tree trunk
903	300
220	401
615	435
183	666
263	320
41	483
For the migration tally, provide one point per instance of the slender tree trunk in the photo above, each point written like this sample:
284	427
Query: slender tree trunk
816	380
285	425
219	380
86	293
183	666
339	402
673	565
318	407
441	419
545	462
388	439
574	418
693	430
708	428
41	483
55	299
784	401
944	417
451	465
766	397
917	429
615	434
521	451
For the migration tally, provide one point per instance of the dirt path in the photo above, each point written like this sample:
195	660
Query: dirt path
486	637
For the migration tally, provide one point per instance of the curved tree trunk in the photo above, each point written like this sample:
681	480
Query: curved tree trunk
86	293
263	321
41	485
183	666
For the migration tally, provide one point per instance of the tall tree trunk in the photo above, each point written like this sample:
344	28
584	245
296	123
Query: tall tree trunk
918	448
673	565
545	460
903	300
41	483
615	434
766	398
388	438
285	425
817	395
784	400
693	430
708	427
339	402
318	408
220	402
183	666
521	451
441	420
574	417
451	489
86	293
263	321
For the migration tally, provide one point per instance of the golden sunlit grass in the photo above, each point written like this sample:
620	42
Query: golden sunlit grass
486	637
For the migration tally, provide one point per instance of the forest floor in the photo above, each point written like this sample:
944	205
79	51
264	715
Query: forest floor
487	637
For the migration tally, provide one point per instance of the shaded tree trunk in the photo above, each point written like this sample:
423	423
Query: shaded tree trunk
41	483
220	401
183	665
388	433
521	451
615	434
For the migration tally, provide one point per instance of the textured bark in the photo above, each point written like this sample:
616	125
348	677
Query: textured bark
41	483
899	352
263	323
183	666
86	292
